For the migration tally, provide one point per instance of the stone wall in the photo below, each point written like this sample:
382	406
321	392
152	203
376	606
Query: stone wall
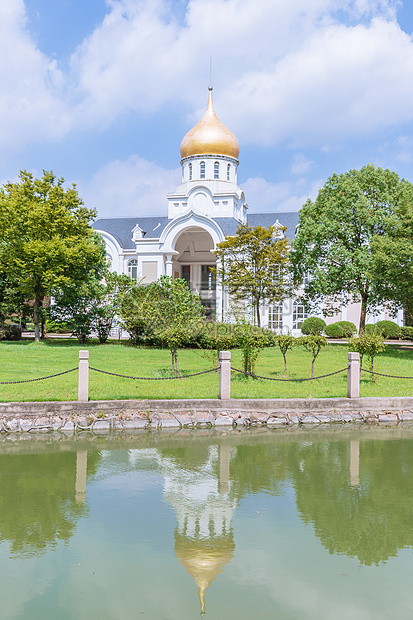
213	413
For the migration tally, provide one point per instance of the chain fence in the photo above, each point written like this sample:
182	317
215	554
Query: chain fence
58	374
195	374
330	374
381	374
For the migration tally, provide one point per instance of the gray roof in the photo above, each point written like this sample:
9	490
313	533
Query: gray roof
121	227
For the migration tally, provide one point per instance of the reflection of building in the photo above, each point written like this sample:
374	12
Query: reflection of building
200	495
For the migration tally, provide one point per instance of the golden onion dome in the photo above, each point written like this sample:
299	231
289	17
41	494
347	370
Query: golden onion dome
210	136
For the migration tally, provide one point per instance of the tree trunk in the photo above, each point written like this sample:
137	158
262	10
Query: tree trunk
312	367
36	319
285	363
363	313
176	362
372	369
258	314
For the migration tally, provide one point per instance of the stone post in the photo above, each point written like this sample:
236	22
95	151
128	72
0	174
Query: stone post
83	385
224	375
353	375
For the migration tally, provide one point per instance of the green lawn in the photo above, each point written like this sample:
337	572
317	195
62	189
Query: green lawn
27	360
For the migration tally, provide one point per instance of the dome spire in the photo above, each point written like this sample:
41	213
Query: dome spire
210	136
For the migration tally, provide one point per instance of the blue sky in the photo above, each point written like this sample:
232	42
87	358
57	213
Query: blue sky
102	92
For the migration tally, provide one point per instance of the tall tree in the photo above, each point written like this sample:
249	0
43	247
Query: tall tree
254	264
392	261
335	234
47	241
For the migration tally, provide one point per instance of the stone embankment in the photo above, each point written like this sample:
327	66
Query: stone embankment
213	413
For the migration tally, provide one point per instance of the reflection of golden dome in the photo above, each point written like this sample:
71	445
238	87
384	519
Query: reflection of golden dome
204	559
209	136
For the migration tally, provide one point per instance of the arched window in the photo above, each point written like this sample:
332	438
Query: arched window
202	170
190	172
216	170
299	314
133	269
228	172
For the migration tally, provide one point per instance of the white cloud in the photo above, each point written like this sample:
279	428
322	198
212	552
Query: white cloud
265	196
133	187
301	165
31	103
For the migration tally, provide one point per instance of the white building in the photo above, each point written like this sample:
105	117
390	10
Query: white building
205	207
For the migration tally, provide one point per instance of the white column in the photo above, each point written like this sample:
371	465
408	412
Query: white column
169	265
353	375
83	385
224	375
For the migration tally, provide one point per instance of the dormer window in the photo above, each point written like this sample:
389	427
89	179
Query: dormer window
190	172
216	170
202	170
228	172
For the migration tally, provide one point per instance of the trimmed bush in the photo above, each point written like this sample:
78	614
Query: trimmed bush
348	328
370	328
334	331
313	326
389	329
407	333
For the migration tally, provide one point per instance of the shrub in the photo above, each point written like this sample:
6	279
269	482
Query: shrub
407	333
389	329
348	328
369	345
313	326
313	344
57	327
11	332
334	331
370	328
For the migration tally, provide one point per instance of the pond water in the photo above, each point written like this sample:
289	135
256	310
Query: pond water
260	524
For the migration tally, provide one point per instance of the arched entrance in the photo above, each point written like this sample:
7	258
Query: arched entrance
194	262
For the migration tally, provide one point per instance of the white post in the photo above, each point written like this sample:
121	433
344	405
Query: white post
353	375
83	385
224	375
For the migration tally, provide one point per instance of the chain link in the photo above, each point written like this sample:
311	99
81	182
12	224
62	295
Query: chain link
296	380
384	375
58	374
114	374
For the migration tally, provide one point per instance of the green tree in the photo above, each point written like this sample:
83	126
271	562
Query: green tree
285	342
392	260
369	345
90	306
254	265
313	344
335	234
165	311
47	241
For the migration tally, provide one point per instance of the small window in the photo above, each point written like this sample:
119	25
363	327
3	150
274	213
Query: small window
275	317
228	172
299	315
190	172
133	269
216	170
202	170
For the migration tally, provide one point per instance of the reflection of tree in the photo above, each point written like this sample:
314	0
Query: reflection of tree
257	468
371	521
38	499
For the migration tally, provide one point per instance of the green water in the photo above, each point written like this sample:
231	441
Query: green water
285	525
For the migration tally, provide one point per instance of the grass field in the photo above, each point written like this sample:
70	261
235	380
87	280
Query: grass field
27	360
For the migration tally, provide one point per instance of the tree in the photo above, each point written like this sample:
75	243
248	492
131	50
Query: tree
285	342
47	241
90	306
369	345
313	344
335	234
254	264
392	260
163	311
